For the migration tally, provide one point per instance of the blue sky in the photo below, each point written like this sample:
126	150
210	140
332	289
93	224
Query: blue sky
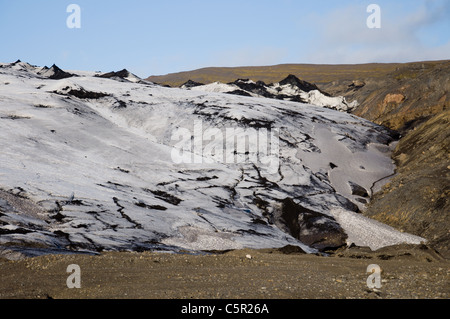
151	37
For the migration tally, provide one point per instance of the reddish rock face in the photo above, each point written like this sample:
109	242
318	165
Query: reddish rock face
393	99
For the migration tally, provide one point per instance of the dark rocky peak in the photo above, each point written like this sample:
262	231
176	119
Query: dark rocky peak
191	84
58	73
259	87
25	67
302	85
239	92
19	64
54	73
119	74
122	75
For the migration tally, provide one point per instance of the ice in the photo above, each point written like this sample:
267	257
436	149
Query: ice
215	87
343	165
102	171
285	92
366	232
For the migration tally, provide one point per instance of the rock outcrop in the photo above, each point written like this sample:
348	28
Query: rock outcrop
289	89
416	200
401	100
315	229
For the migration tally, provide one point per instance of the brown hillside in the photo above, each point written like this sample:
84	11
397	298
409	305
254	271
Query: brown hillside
416	200
315	73
270	74
400	99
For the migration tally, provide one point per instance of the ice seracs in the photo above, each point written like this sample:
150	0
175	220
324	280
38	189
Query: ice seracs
106	144
121	75
289	89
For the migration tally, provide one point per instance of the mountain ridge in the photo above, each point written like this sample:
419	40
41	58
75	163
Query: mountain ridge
315	73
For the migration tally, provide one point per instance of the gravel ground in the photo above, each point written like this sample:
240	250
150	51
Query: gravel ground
406	273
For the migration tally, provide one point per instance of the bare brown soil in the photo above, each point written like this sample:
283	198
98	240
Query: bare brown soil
416	272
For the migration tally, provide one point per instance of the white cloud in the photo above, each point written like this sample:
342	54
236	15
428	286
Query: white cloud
345	37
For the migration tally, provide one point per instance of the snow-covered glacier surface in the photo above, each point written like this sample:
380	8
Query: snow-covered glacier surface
91	163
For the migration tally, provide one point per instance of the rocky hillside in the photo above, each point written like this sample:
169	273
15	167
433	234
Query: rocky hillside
414	99
402	99
417	199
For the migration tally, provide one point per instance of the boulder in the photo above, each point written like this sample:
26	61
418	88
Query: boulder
312	228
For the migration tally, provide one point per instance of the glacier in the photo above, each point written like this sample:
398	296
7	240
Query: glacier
86	165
